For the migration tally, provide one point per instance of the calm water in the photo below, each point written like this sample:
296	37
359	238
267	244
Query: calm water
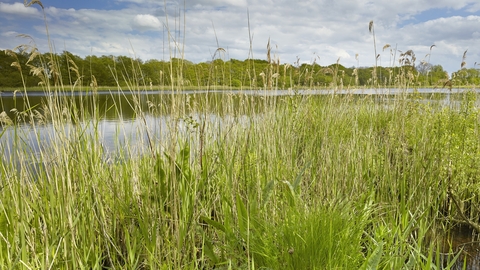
119	125
464	242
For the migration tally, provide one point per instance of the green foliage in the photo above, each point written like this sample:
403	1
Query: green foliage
124	71
13	67
374	259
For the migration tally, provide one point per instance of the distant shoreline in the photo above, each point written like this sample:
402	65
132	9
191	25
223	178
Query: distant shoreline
201	88
258	92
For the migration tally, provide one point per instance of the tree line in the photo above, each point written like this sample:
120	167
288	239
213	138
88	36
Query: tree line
24	68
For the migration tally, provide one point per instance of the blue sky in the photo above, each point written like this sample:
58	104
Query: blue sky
84	4
435	13
323	31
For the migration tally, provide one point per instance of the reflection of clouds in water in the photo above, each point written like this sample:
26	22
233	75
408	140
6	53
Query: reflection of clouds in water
130	135
25	140
123	131
118	138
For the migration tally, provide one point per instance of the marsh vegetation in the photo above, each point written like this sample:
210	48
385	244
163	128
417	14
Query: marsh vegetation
236	181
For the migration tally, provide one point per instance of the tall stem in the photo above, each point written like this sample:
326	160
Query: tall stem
371	29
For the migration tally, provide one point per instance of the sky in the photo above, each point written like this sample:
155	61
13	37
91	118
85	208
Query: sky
307	31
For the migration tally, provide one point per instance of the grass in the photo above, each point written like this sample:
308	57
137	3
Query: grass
315	182
240	182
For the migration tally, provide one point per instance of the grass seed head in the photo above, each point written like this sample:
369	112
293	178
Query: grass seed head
38	2
464	57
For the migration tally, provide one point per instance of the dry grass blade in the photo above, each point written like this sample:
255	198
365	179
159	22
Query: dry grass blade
77	81
22	49
10	53
34	54
220	51
24	36
464	57
37	71
14	55
75	69
94	83
268	51
5	119
73	63
38	2
327	70
17	65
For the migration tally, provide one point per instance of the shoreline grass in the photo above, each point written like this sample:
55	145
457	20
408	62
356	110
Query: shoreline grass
325	182
217	87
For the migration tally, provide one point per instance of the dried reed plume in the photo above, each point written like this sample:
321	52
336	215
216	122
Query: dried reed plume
38	2
463	60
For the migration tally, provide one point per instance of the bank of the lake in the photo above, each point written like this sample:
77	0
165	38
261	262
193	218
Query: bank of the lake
177	88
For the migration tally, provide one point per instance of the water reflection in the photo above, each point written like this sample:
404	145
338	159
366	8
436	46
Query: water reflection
132	118
120	121
460	241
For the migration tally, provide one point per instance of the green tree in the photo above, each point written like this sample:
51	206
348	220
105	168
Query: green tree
13	66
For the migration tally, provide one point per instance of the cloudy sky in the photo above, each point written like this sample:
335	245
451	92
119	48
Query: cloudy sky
299	31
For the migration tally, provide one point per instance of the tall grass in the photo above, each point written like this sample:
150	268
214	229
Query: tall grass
292	182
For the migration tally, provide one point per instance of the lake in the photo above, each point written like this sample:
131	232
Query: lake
119	123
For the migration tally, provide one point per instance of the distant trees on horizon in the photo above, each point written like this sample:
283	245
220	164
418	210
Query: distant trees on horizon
69	69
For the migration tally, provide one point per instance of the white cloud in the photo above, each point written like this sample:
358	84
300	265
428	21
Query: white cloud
146	22
320	30
210	3
9	34
474	7
18	9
